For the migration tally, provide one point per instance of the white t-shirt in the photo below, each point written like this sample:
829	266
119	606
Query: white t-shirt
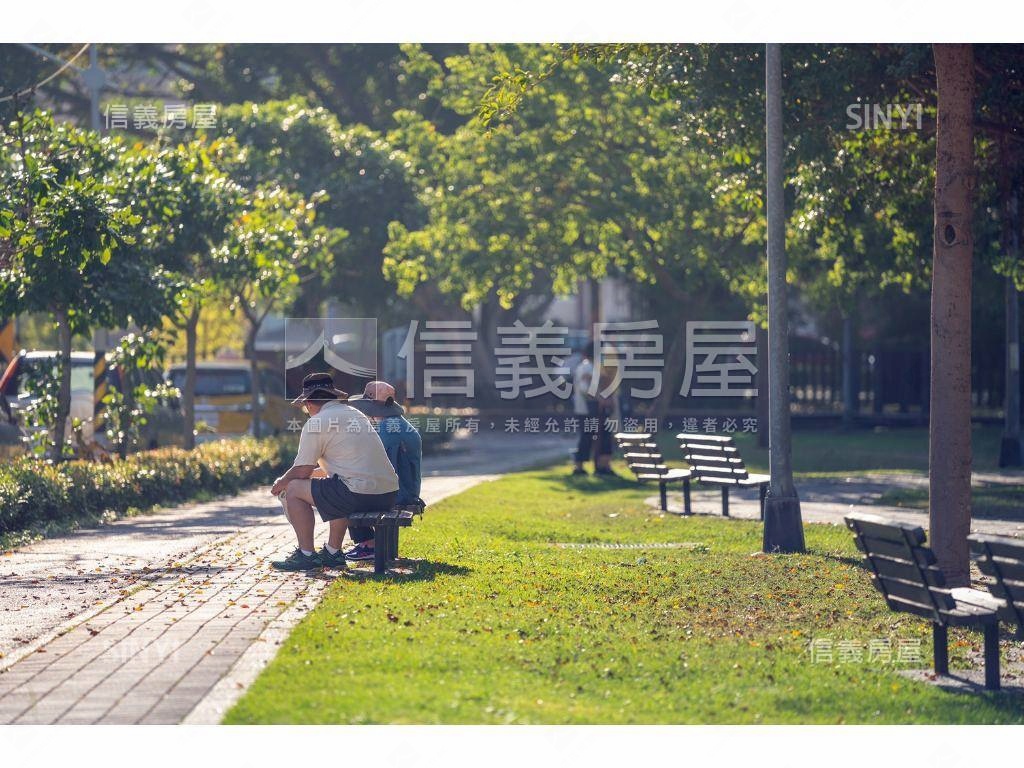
581	380
343	442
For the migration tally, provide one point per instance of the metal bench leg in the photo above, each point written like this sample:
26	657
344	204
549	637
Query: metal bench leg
763	490
380	549
992	657
663	493
686	497
725	501
941	649
393	543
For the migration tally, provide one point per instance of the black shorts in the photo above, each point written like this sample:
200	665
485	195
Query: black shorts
335	501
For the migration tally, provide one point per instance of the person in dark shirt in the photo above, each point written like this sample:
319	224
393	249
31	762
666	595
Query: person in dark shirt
403	446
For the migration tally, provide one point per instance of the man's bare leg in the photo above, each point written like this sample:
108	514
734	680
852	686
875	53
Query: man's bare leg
298	500
284	506
336	535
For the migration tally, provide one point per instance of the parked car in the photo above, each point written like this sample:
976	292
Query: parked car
163	427
11	443
224	398
13	384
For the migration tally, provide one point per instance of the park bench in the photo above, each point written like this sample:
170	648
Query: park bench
904	570
646	462
1001	558
715	459
386	525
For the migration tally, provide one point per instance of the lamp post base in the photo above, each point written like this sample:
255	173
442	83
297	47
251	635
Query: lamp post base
783	527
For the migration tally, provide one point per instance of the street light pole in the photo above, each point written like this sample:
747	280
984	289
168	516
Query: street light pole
783	527
94	77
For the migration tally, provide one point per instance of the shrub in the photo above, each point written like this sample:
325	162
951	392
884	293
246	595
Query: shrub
35	493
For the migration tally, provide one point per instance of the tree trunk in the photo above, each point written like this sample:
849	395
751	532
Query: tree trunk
594	295
949	436
254	373
486	392
64	388
188	396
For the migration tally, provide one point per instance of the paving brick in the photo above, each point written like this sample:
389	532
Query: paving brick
187	595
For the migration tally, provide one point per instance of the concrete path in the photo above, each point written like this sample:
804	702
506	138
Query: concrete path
168	617
827	500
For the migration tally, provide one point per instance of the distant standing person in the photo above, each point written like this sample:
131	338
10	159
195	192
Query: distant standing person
404	448
609	416
584	406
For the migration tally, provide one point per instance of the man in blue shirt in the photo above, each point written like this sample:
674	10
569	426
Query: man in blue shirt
403	446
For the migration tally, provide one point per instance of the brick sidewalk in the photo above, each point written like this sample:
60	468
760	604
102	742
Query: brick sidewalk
150	657
178	637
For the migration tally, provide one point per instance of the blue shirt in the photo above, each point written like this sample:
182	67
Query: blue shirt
402	443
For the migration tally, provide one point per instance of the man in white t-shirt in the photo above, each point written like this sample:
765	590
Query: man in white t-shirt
341	467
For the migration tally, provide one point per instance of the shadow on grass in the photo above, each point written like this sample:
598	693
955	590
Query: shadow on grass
590	482
971	682
399	571
854	560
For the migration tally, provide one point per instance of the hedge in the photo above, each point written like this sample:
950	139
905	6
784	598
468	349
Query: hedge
35	494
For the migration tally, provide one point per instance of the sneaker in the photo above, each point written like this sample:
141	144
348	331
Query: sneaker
579	471
297	561
337	560
359	553
607	472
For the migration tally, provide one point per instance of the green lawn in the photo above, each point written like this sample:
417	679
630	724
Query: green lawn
500	625
835	452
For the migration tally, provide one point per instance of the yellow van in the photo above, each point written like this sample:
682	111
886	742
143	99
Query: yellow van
224	398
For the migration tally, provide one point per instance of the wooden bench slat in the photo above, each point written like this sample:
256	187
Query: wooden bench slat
897	604
670	474
879	528
913	592
1000	546
1008	589
700	458
694	437
710	473
1001	566
968	615
677	473
895	549
1002	558
756	479
969	596
907	571
394	517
